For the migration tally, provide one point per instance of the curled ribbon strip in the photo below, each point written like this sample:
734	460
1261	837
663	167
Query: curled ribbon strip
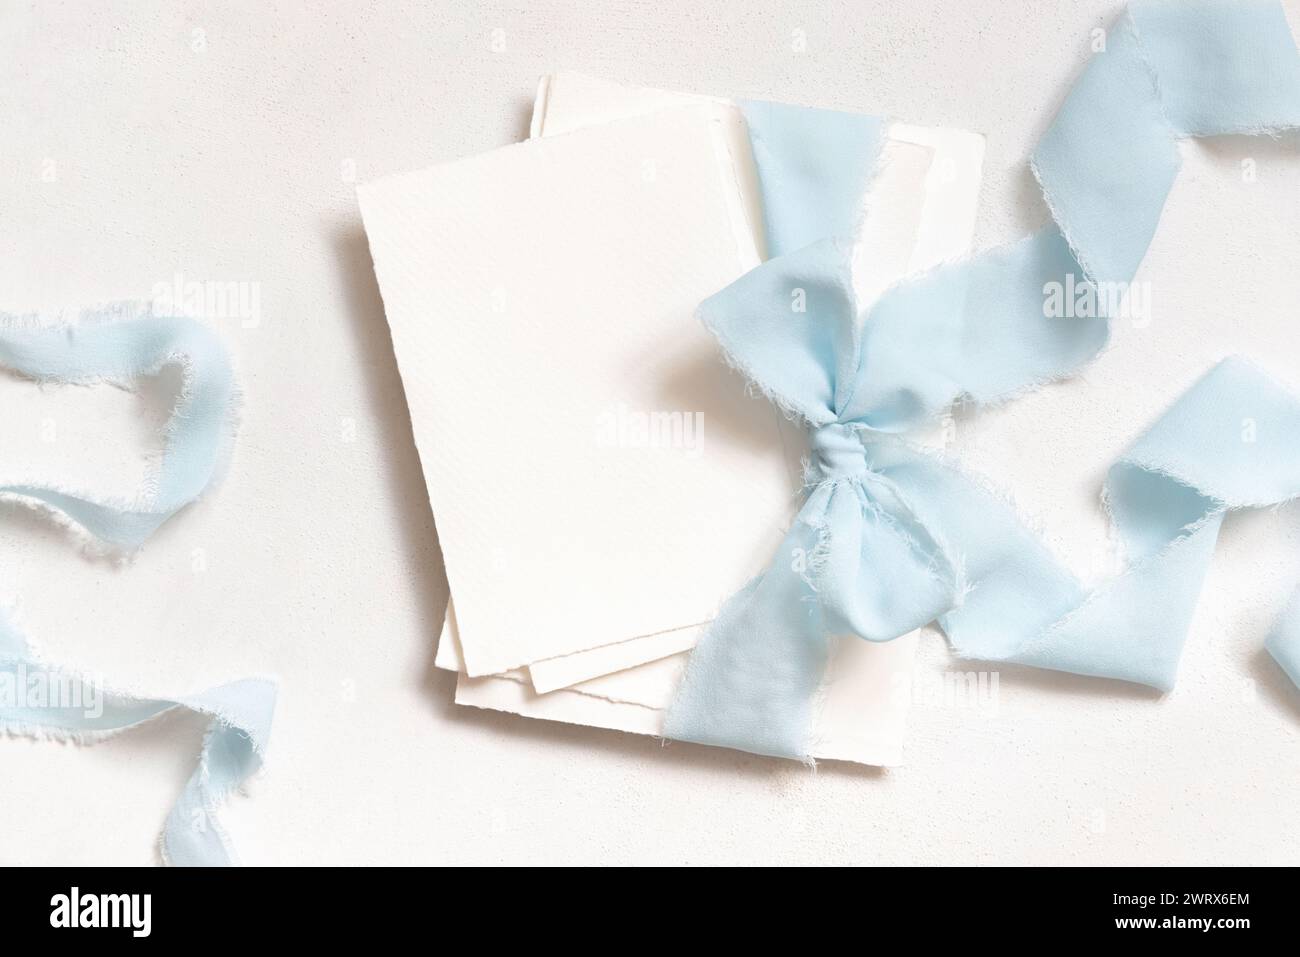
122	343
889	538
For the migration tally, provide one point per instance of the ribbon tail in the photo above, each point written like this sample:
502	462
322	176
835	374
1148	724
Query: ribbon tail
44	701
857	564
232	752
752	678
1224	445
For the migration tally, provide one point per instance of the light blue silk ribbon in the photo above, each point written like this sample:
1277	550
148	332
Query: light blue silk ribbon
889	537
815	166
122	343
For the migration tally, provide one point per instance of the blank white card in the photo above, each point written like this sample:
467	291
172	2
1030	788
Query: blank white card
596	472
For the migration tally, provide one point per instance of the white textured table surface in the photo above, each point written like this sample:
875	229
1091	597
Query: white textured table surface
224	144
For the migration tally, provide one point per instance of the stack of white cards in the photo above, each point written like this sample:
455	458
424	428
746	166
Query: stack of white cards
601	480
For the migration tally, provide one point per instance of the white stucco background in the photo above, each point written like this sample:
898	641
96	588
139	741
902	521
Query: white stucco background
217	141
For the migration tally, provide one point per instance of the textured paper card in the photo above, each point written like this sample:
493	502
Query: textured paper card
567	102
596	473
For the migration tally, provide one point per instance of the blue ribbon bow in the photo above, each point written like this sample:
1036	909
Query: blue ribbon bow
890	537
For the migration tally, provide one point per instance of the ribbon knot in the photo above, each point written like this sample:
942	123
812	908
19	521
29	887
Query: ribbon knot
837	453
